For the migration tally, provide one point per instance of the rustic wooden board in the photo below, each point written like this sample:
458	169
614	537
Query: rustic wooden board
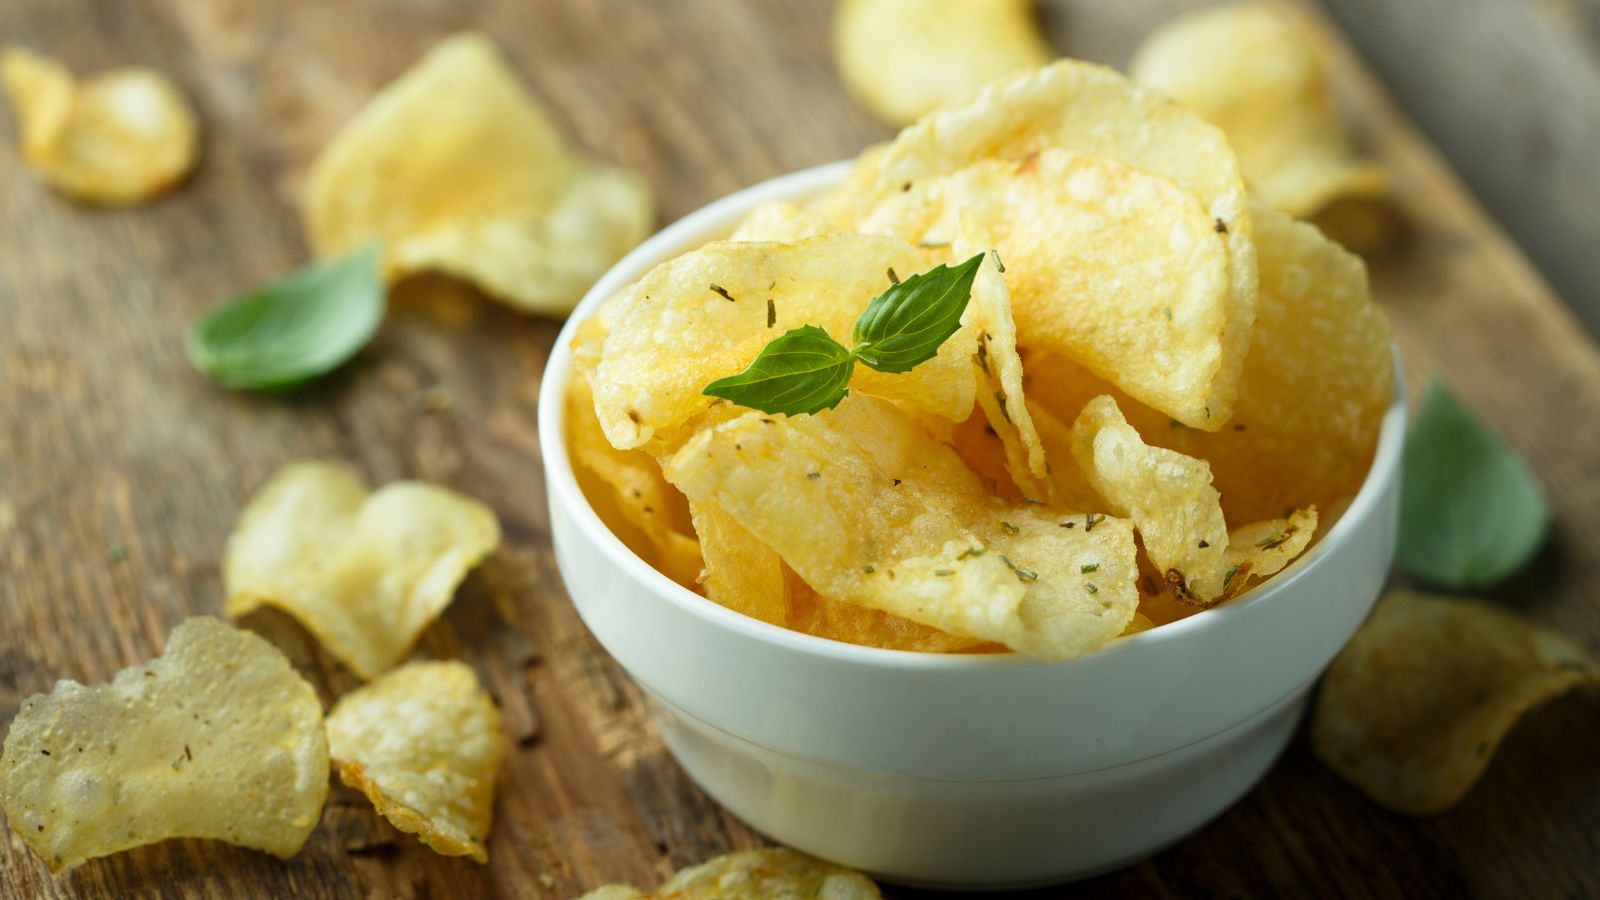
109	440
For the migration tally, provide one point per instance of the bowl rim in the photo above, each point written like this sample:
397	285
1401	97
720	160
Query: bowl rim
718	217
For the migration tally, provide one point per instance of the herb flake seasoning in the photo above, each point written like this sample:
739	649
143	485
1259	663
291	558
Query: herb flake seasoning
1086	569
893	278
772	313
1027	575
1165	310
1009	528
998	265
1090	587
722	292
1090	520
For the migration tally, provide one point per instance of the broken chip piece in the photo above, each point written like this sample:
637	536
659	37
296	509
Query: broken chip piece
454	168
218	737
364	571
1414	706
772	873
424	744
120	137
902	58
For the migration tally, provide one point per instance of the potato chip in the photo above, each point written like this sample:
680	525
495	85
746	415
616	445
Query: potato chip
1113	267
902	58
366	572
456	169
121	137
708	313
902	525
1178	513
1092	111
1259	72
781	221
1414	706
999	378
424	744
218	738
741	573
627	491
808	612
1316	384
772	873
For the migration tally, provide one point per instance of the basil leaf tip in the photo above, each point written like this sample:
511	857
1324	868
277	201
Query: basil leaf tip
1471	511
296	329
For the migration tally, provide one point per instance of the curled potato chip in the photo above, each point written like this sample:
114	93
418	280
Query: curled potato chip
1258	72
1178	513
121	137
218	738
741	573
1116	268
1415	704
1092	111
1316	383
708	313
424	744
772	873
627	491
902	58
781	221
366	572
456	169
869	510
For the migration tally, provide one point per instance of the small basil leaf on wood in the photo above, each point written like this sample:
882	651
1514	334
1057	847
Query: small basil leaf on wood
802	371
906	324
1471	512
294	330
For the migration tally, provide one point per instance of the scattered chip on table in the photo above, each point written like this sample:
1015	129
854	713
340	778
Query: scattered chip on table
773	873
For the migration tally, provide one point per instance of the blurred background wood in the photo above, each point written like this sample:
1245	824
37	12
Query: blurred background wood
109	440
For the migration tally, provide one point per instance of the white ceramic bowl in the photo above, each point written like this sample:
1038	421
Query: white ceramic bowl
962	771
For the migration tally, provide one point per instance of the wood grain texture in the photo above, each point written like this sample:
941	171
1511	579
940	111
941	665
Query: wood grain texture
108	438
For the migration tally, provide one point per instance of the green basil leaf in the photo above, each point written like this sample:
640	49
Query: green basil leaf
802	371
1471	512
904	325
289	332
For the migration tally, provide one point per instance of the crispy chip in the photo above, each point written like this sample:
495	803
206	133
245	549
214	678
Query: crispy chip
217	738
1316	384
741	573
121	137
783	221
1118	269
424	744
808	612
772	873
868	509
456	169
627	491
1415	705
1178	513
902	58
1092	111
706	314
999	377
1258	71
364	572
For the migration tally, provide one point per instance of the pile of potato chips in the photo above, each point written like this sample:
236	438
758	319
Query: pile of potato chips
1161	392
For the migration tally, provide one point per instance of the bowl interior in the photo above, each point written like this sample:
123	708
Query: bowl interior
717	220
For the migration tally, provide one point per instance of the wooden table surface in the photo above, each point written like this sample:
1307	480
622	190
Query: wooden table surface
108	439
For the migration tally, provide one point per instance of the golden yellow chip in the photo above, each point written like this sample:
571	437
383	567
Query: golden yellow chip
366	572
627	492
121	137
218	738
1258	71
1116	268
783	221
456	169
708	313
999	376
808	612
902	58
869	510
1092	111
741	573
1260	549
772	873
1316	384
424	744
1414	706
